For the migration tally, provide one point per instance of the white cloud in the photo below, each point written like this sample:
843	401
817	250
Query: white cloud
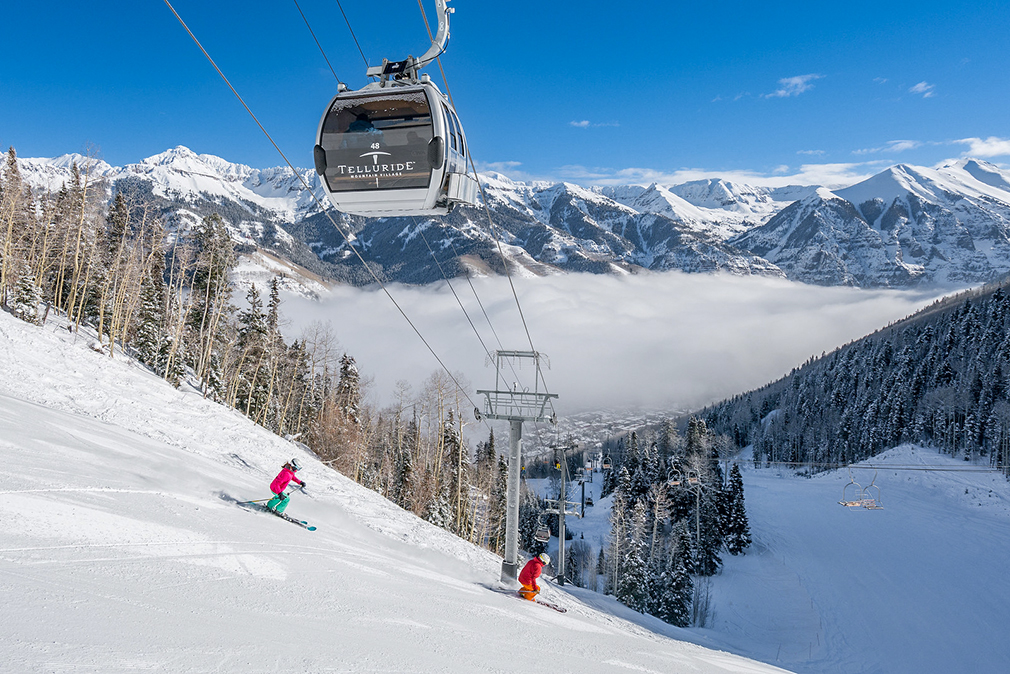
585	124
509	169
880	80
892	146
924	88
794	86
815	153
986	147
655	340
832	176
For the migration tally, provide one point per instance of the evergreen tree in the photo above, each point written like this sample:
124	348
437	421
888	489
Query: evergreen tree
440	510
211	291
251	386
456	474
675	586
531	510
348	393
405	490
25	300
497	507
708	561
737	527
150	317
632	586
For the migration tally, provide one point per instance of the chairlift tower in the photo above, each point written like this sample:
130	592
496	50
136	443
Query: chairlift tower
560	507
516	404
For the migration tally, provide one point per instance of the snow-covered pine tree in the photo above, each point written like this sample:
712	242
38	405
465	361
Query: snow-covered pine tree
211	291
25	299
405	489
622	488
497	507
708	562
737	527
456	472
632	586
348	392
149	334
675	587
579	563
170	361
531	510
440	509
250	387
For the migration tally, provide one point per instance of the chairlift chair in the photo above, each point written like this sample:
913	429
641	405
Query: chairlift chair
542	534
871	495
607	465
854	495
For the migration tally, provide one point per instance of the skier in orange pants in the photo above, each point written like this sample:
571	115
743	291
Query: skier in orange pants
528	576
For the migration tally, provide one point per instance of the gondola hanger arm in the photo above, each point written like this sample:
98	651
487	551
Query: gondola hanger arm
409	67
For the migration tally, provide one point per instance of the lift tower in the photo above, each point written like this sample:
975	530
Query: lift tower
516	404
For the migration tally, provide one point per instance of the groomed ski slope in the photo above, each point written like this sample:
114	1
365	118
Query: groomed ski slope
122	549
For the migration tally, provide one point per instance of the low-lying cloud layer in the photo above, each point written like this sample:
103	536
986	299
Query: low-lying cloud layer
656	341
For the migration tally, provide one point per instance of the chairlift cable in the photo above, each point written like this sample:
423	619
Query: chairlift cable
353	36
322	208
313	34
881	466
487	351
487	210
420	230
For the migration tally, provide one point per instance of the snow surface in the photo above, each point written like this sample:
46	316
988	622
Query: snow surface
123	549
916	588
919	587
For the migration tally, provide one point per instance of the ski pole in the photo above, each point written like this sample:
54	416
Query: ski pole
256	501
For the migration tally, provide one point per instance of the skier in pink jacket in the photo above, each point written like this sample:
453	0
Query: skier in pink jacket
287	475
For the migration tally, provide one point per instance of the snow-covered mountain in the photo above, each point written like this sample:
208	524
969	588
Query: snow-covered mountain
905	226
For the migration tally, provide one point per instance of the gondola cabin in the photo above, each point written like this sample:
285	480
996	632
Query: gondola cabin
393	148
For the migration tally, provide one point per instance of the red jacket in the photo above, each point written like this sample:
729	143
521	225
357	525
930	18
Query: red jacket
528	576
283	479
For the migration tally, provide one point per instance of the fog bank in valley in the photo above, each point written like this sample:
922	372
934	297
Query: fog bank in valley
655	341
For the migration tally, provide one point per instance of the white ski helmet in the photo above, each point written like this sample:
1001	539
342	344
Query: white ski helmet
544	557
295	464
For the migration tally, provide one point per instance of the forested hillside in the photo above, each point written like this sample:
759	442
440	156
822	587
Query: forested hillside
168	301
938	377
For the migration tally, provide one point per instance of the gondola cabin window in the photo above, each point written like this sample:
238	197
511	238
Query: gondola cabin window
378	143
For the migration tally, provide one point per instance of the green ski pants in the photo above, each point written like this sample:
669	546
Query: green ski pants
279	502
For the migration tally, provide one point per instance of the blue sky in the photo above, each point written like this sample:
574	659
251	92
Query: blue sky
590	91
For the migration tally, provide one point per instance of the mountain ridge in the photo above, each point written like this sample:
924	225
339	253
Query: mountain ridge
905	226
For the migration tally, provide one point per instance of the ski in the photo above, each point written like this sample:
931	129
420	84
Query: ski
515	593
559	609
253	505
289	518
